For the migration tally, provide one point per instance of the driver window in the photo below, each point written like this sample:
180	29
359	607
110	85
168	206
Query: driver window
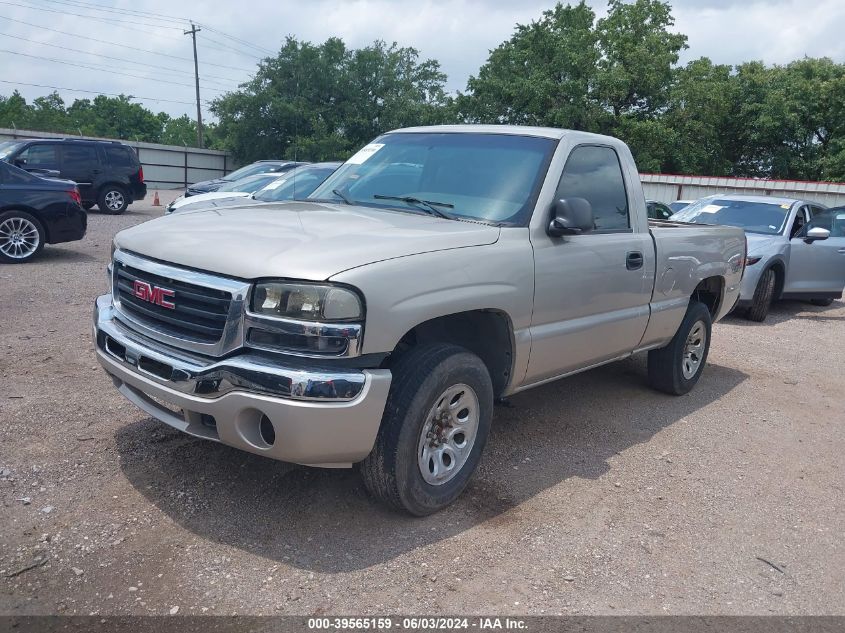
822	220
798	223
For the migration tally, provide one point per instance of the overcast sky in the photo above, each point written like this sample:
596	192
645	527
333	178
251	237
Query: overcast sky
458	33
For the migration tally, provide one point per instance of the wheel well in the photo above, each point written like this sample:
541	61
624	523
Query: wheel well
709	292
485	333
780	277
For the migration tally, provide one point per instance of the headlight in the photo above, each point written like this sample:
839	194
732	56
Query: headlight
307	302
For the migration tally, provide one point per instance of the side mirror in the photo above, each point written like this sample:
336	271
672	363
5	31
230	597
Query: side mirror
20	162
817	233
571	217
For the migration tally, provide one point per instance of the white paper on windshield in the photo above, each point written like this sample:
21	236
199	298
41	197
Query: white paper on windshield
365	153
711	208
275	184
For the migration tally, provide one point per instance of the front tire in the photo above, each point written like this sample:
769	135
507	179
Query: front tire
112	200
676	368
21	237
763	295
434	428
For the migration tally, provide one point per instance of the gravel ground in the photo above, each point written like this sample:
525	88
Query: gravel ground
596	495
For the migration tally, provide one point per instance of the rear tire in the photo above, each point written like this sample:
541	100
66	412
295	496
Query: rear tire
821	302
434	428
112	200
21	237
676	368
763	296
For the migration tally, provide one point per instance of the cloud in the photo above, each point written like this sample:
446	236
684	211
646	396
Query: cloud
458	33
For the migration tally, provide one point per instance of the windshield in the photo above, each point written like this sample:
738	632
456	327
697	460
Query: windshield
249	170
7	147
487	177
250	183
755	217
295	185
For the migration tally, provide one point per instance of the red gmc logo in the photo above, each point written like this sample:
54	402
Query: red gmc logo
153	294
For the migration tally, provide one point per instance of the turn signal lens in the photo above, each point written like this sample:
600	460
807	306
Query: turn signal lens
310	302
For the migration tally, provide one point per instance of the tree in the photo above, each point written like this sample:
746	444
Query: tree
543	75
319	102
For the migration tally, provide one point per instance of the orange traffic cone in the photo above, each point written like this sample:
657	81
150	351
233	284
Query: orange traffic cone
156	201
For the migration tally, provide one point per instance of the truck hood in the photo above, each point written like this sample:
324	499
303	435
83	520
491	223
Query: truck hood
296	240
758	243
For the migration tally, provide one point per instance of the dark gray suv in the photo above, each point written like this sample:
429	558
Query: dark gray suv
108	173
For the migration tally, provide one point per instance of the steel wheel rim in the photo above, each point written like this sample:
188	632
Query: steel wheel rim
114	200
694	349
448	434
19	238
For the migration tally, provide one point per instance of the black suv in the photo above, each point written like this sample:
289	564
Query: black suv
108	173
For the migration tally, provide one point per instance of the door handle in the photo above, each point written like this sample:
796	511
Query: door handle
634	260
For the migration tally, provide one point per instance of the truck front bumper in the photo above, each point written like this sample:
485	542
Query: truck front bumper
304	415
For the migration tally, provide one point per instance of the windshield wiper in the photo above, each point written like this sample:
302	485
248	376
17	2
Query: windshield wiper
428	205
343	196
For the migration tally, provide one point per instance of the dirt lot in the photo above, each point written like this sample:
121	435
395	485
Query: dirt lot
596	494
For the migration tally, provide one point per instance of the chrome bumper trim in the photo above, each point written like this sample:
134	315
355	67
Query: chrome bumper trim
210	379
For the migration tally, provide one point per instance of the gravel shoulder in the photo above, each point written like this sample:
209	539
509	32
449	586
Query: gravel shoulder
596	495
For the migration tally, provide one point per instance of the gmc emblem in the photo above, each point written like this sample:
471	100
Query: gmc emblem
153	294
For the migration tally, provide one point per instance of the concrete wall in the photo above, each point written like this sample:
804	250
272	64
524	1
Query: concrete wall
668	188
165	166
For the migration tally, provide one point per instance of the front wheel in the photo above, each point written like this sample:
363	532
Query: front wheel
677	367
113	200
434	428
763	295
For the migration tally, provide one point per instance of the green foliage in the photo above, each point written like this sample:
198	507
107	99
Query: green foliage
320	102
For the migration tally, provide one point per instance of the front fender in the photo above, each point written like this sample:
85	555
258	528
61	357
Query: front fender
403	292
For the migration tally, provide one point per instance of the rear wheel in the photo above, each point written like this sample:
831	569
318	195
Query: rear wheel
112	200
677	367
21	237
763	295
434	428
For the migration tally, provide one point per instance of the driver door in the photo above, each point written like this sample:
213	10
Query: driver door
818	267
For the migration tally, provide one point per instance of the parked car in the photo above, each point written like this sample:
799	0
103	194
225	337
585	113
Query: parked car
790	256
658	210
35	211
678	205
108	173
238	188
377	321
259	167
295	184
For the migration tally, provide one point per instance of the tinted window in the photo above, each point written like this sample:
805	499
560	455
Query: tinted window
594	173
492	177
299	185
120	156
768	218
831	219
658	211
42	155
79	156
251	170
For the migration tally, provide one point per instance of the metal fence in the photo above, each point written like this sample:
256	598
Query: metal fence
165	166
668	188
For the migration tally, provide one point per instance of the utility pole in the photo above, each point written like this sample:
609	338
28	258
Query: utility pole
193	33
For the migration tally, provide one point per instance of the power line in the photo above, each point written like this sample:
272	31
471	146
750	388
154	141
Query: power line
88	16
142	50
90	67
261	49
226	46
119	59
95	92
136	12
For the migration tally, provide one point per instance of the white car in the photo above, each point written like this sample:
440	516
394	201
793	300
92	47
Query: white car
242	188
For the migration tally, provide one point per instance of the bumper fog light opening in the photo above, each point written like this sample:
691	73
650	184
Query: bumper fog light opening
267	431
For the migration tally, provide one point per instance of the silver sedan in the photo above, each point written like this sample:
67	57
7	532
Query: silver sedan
796	248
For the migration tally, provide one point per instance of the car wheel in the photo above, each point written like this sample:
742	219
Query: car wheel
821	302
763	295
434	428
675	368
21	237
112	200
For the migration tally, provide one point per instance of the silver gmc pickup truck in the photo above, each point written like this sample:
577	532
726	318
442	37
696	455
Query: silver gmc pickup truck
376	323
